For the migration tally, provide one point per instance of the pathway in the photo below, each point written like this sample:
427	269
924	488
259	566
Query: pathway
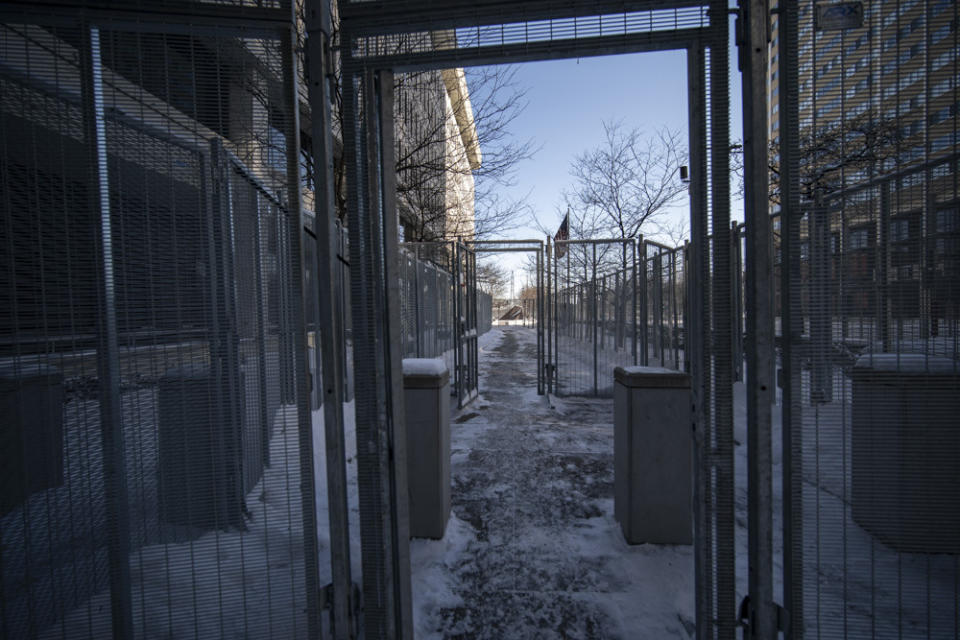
532	549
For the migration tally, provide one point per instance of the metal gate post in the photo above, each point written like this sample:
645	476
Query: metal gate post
644	310
593	298
330	319
539	312
381	458
549	318
762	619
697	345
108	359
457	324
792	441
634	245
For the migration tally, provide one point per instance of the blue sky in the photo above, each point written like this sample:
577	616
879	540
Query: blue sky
570	99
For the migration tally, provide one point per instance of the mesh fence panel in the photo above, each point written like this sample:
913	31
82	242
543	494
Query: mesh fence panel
152	447
873	286
595	324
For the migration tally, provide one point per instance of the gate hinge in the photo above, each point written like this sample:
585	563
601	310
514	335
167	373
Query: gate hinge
745	615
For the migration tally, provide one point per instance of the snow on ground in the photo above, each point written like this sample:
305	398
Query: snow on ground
532	549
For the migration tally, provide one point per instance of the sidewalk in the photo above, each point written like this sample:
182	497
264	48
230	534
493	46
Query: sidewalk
532	549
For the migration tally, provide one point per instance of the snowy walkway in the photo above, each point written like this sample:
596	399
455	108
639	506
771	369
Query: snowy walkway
532	549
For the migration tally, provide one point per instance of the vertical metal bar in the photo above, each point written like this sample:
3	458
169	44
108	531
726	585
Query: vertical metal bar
108	360
298	329
593	299
330	317
261	335
417	304
634	247
726	613
696	343
790	328
644	315
821	330
457	324
541	383
759	317
550	318
882	256
673	305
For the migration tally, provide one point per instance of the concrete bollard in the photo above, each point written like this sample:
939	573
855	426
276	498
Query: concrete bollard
653	455
426	393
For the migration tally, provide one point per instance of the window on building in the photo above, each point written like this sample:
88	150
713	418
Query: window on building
858	239
948	220
899	230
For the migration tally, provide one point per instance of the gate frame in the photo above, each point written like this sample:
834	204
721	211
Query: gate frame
633	243
712	388
516	246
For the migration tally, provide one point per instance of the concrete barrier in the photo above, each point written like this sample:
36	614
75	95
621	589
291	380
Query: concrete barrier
426	389
653	455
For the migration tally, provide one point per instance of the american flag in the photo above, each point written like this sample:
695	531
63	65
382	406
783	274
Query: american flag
563	233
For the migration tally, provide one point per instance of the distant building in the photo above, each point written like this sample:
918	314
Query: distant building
879	140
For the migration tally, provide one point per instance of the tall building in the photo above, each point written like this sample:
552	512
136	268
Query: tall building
878	132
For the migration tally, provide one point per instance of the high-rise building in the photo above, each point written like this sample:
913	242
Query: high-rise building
878	134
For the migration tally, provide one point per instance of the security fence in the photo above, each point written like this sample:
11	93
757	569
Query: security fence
442	311
153	373
868	245
615	303
664	306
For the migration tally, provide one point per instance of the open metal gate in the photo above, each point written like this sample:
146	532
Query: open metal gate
540	312
868	249
378	35
439	307
595	314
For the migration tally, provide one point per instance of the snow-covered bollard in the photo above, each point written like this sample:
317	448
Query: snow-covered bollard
653	455
426	397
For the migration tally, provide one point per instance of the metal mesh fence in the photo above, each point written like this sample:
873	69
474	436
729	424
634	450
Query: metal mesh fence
872	293
442	311
595	319
664	301
614	308
155	412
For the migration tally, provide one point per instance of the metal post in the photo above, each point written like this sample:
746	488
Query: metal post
540	371
297	329
633	298
882	257
550	319
593	297
330	318
821	330
698	347
108	360
722	378
644	312
791	330
381	460
673	304
759	314
457	324
261	335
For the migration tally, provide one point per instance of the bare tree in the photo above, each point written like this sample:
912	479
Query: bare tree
855	145
429	157
492	278
625	183
860	144
426	166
